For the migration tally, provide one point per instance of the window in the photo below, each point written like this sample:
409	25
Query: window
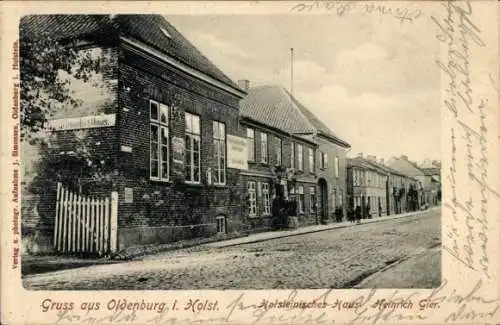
251	144
312	193
221	224
311	159
159	153
263	147
192	164
165	32
278	151
252	198
220	152
300	196
323	160
265	195
292	155
334	198
300	157
336	162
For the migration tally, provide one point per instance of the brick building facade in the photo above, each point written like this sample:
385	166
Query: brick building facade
166	148
309	150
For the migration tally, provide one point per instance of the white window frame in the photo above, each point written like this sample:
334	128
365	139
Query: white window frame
312	199
264	157
292	155
191	136
278	152
301	199
251	143
266	198
310	152
323	160
219	129
221	224
336	166
162	126
334	198
300	157
252	198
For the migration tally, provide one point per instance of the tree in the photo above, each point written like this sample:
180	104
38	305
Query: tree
47	68
44	61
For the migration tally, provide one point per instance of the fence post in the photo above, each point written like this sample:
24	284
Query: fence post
57	221
113	240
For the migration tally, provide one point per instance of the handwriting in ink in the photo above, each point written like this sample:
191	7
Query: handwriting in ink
345	8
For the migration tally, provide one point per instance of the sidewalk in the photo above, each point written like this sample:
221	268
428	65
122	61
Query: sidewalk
263	236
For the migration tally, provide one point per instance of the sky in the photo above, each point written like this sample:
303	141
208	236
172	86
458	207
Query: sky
372	81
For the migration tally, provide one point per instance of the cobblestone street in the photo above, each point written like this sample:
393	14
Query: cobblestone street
337	258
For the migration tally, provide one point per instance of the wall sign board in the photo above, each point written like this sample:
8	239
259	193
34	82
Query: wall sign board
84	122
237	152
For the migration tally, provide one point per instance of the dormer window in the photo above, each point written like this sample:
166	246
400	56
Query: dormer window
165	32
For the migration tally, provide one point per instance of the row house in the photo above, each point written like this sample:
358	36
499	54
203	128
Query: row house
367	188
375	185
168	130
331	165
281	164
428	178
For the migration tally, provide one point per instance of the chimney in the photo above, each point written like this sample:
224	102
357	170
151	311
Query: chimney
382	161
372	158
404	157
244	84
360	155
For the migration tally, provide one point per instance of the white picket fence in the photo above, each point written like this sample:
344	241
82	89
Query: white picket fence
85	224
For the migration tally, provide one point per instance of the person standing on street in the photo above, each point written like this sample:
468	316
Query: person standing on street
358	214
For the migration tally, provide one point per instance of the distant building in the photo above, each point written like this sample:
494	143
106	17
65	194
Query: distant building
366	188
428	177
371	182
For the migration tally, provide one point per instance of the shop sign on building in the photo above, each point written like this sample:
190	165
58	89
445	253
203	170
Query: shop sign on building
84	122
237	152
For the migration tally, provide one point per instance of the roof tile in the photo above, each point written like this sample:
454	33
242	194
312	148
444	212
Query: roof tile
145	28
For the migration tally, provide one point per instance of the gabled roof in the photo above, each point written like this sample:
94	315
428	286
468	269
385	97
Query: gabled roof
360	163
384	168
370	164
146	29
270	105
319	126
62	26
273	105
431	171
405	166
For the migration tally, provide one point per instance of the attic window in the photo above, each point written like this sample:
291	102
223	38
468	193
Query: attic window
165	32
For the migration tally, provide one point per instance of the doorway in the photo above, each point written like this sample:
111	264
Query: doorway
323	199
